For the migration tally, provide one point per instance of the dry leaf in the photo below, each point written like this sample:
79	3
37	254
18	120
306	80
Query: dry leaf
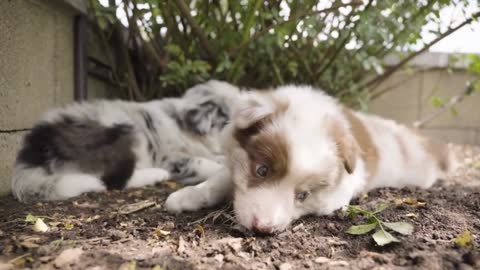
410	201
40	226
411	215
90	219
161	233
199	229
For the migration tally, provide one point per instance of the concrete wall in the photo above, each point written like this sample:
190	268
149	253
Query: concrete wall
410	97
36	68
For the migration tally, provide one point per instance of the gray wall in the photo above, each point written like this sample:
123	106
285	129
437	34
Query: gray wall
410	99
36	67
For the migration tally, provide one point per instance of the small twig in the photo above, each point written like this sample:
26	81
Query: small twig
14	130
135	207
454	100
12	261
96	239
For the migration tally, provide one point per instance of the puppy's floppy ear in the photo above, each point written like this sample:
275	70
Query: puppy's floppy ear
347	147
252	108
348	150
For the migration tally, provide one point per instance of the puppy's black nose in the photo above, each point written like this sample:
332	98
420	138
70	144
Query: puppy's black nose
257	226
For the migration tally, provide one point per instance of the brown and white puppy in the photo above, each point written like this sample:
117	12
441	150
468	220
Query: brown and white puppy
296	151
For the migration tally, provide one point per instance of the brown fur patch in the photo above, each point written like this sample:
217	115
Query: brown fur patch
264	144
347	146
369	151
270	148
440	152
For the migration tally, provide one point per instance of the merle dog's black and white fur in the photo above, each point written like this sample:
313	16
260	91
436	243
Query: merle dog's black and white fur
103	145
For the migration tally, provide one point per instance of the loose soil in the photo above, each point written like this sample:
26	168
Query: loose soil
129	230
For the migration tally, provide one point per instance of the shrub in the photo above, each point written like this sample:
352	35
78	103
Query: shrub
169	45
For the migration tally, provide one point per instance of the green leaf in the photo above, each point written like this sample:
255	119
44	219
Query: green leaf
453	111
380	207
361	229
437	102
382	238
402	227
31	218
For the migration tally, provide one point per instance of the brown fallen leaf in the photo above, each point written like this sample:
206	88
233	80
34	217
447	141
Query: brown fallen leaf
135	207
199	230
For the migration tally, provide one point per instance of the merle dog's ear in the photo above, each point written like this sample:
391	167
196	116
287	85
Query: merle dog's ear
197	120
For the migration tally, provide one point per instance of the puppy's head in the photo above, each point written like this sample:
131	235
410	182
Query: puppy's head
287	148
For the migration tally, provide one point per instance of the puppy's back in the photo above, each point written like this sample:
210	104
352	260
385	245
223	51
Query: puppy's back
398	156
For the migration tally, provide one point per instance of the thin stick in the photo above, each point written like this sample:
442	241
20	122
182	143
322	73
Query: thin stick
454	100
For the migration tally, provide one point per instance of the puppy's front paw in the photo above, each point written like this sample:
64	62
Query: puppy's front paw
179	167
186	199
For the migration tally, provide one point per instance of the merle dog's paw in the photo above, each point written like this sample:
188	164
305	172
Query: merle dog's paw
180	168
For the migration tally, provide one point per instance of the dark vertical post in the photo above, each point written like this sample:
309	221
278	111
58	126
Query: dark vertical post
80	58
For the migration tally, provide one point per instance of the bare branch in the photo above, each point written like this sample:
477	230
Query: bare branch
378	79
454	100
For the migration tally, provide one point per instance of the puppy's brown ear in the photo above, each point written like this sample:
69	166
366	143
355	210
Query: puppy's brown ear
348	151
252	108
347	146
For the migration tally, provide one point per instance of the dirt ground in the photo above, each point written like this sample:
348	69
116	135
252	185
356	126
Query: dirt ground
129	230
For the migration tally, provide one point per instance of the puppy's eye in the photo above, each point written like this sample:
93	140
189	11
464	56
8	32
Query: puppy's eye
301	196
261	170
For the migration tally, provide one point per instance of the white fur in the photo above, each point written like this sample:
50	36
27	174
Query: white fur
305	124
65	179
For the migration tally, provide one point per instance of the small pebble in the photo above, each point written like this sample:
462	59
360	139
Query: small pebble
219	257
285	266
